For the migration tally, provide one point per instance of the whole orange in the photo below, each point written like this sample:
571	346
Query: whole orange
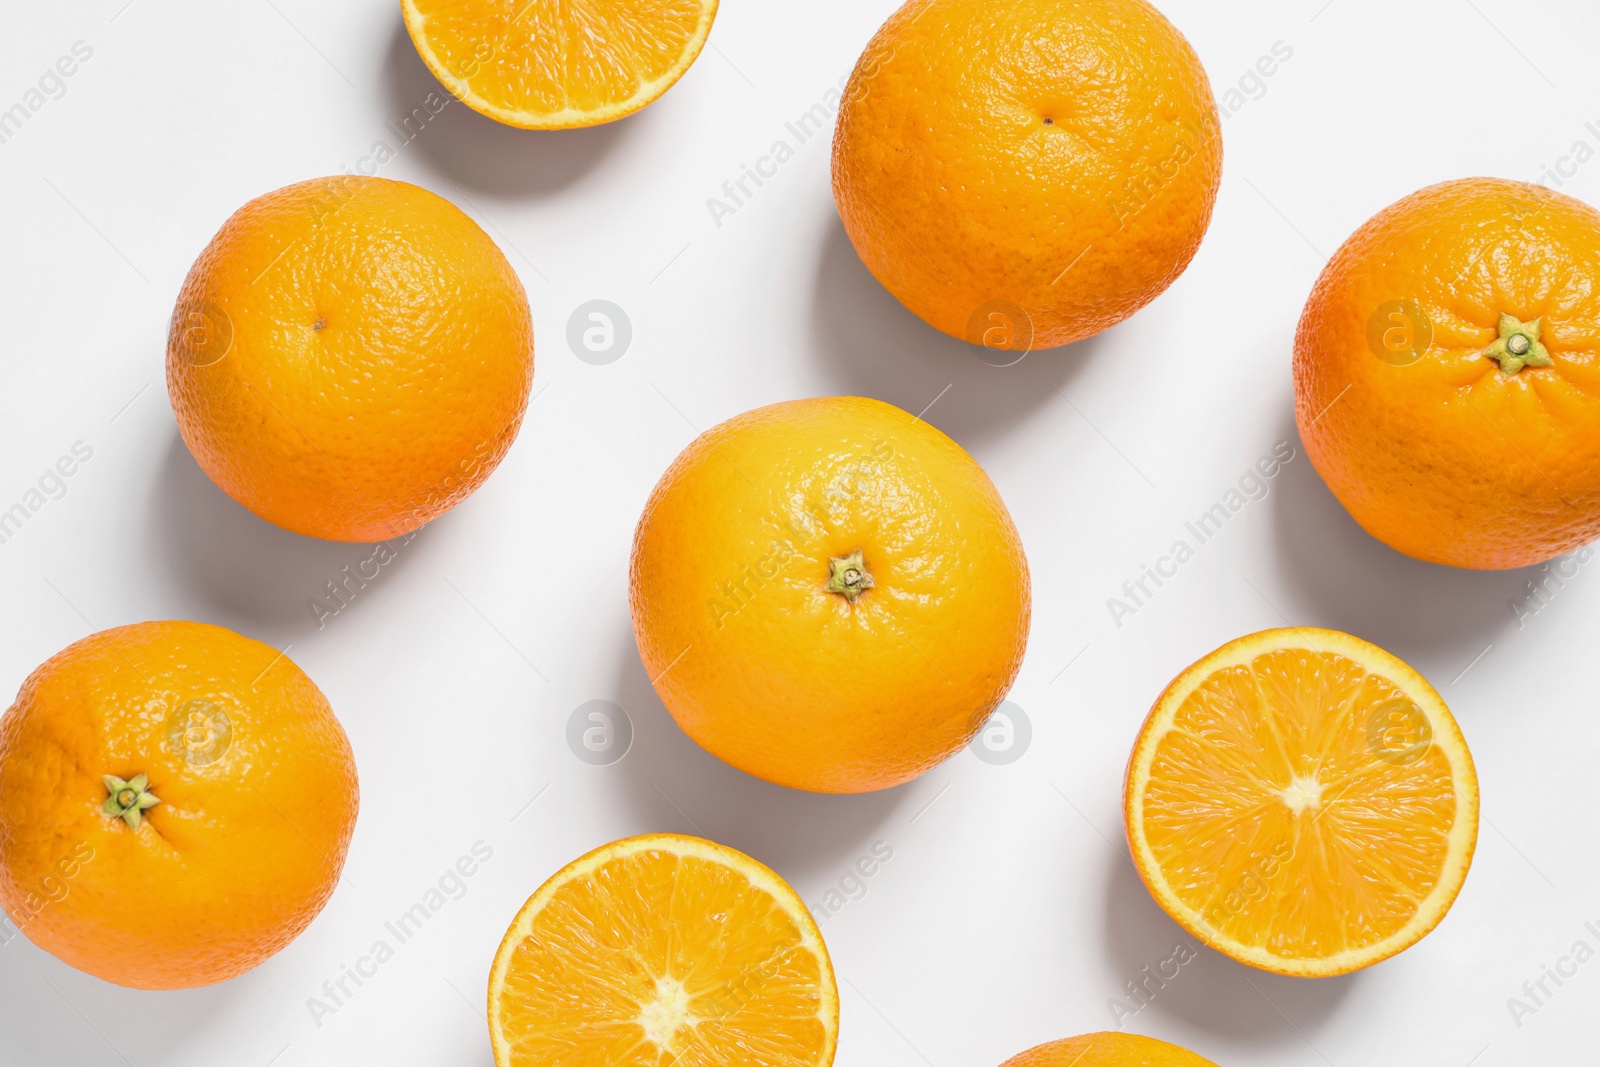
829	594
1447	374
1025	174
350	357
176	802
1108	1049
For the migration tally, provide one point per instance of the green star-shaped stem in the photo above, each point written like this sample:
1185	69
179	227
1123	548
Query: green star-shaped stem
128	800
1518	346
848	576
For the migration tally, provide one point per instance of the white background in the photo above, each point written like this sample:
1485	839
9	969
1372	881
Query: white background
1008	914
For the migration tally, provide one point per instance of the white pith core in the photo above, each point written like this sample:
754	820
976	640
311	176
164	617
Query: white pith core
664	1016
1302	793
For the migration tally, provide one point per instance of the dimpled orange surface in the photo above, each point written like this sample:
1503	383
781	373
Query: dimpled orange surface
1025	174
1302	801
829	594
254	793
551	64
1438	445
350	357
663	949
1108	1049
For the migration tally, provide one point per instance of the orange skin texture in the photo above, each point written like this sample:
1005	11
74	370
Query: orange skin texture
1108	1049
768	670
350	357
1449	459
957	194
241	853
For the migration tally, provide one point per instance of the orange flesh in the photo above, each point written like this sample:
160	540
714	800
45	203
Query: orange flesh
1296	806
536	59
659	957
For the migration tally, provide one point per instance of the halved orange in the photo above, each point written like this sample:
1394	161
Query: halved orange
1302	801
1108	1049
663	949
556	64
